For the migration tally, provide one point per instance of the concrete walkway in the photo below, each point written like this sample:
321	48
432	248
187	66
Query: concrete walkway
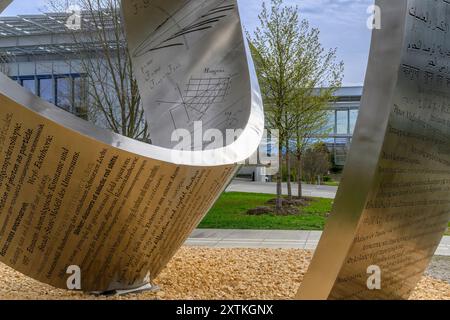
270	239
271	188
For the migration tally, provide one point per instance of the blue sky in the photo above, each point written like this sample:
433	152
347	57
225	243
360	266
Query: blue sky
342	24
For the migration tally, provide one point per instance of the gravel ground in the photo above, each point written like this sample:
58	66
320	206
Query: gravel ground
440	269
199	273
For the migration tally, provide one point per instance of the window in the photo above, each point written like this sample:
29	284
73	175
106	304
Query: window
80	97
46	89
68	92
331	120
29	84
353	118
349	98
64	93
342	122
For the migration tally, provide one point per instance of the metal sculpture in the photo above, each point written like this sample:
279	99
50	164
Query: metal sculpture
393	205
74	195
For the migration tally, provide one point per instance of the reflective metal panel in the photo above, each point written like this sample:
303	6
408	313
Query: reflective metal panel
4	4
393	205
72	194
192	66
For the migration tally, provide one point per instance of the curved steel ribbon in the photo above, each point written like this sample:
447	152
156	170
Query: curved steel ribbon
72	194
393	204
4	4
192	67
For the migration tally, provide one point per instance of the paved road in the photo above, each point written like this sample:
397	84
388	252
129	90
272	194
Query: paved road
271	188
270	239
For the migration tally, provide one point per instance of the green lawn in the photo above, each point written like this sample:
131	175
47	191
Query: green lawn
331	183
230	213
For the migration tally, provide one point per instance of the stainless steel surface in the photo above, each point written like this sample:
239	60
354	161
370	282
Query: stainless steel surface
73	194
393	204
192	65
4	4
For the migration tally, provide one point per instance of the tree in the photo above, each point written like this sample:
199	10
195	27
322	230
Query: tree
316	162
291	65
321	77
113	97
311	119
276	45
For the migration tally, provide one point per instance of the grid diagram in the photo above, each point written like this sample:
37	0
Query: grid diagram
201	93
199	96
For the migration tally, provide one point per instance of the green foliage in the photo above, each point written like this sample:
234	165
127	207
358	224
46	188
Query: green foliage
297	75
316	162
230	213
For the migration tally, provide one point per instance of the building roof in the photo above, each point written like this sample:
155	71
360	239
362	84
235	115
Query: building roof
32	25
349	92
352	93
39	24
43	34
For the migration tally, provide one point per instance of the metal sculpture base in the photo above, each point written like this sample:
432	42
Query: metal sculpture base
144	288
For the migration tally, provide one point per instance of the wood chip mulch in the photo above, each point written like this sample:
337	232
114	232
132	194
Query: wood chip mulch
205	273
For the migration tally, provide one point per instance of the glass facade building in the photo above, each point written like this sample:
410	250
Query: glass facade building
39	53
343	113
65	91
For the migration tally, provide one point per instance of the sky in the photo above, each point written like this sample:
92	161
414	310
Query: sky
342	23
